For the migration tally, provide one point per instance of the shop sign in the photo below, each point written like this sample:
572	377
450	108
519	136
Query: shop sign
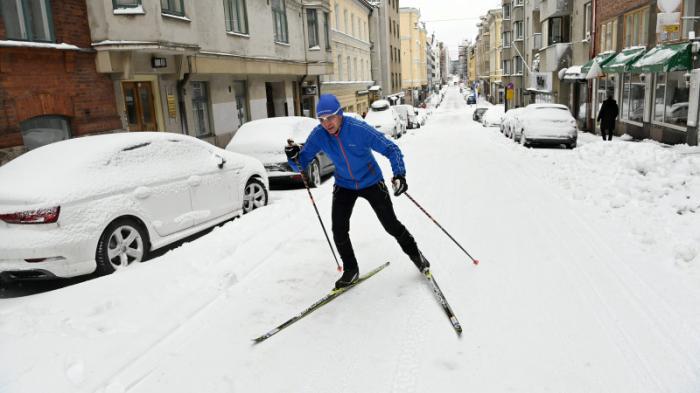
172	111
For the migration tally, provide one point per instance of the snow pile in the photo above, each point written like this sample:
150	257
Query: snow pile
652	187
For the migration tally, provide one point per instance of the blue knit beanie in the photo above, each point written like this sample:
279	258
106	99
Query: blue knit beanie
328	105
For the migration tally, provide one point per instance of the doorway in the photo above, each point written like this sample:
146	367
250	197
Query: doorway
139	106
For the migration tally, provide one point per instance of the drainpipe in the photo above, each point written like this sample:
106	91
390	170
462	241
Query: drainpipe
300	93
591	54
181	83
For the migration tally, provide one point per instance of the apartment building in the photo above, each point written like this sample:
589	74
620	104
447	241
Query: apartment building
49	87
385	41
494	20
482	59
204	68
513	46
351	48
413	52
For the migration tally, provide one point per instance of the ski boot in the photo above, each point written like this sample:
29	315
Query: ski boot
349	277
421	263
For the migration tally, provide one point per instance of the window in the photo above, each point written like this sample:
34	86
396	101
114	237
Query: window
671	98
608	34
126	3
518	2
558	30
518	28
339	75
346	26
200	108
336	11
506	39
632	107
279	20
327	30
354	67
635	27
588	15
517	65
42	130
28	20
312	27
174	7
236	16
506	67
349	69
506	11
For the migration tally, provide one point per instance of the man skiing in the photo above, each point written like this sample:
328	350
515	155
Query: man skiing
349	143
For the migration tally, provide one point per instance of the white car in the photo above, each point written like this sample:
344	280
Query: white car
493	116
265	140
550	124
384	118
510	122
104	202
408	114
422	114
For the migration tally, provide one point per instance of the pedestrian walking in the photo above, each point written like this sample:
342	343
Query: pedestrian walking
607	117
349	143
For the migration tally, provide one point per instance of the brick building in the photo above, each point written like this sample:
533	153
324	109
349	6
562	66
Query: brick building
49	87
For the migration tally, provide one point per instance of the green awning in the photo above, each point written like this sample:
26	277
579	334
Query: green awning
601	59
622	60
664	58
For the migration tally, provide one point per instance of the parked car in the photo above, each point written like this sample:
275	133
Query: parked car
422	114
265	139
493	116
471	99
510	121
409	112
384	118
550	124
479	113
102	203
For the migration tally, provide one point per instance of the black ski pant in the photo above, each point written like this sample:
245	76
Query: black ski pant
380	200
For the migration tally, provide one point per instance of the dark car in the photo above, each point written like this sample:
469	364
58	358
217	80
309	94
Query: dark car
471	100
479	113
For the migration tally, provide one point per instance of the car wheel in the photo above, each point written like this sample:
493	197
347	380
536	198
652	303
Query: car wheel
313	174
571	145
123	242
254	195
523	140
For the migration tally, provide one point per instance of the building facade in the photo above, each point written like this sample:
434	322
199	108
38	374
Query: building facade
385	42
494	20
350	43
50	89
413	52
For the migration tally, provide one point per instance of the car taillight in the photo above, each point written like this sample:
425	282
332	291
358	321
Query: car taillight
39	216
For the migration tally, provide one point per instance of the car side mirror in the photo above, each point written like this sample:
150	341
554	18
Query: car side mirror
220	161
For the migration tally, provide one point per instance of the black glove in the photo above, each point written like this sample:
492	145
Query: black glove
292	151
398	183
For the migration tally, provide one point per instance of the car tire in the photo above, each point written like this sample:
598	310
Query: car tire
254	195
313	174
571	145
122	243
523	140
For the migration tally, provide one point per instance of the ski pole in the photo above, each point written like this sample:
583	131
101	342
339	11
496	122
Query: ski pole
290	142
475	261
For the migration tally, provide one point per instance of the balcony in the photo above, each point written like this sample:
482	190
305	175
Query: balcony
554	57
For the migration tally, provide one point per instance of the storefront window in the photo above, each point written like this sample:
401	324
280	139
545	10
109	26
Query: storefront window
632	98
671	99
606	87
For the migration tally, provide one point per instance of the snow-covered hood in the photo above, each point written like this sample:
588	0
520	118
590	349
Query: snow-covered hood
265	139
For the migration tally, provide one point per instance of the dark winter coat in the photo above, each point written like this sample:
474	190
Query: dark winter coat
608	113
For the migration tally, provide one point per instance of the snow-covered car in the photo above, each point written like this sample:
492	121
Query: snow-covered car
471	99
422	114
493	116
550	124
265	140
384	118
102	203
479	113
510	122
409	112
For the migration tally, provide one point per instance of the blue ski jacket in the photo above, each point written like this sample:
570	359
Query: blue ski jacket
351	152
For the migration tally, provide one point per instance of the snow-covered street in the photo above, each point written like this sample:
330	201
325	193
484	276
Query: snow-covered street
589	281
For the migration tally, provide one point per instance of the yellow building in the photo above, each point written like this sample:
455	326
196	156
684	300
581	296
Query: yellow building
352	68
494	18
471	64
414	64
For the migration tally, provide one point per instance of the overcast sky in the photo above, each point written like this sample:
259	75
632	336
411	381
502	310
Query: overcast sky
451	20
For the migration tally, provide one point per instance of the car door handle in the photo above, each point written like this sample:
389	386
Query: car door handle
194	181
142	192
